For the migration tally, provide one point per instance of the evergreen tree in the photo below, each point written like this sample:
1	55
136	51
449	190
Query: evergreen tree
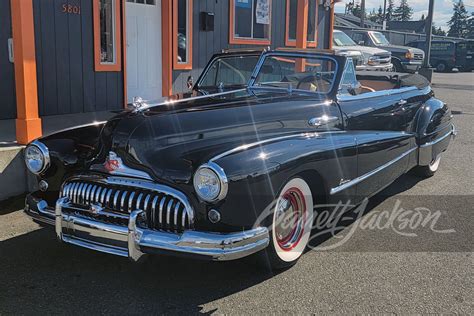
470	26
390	10
403	12
458	24
437	31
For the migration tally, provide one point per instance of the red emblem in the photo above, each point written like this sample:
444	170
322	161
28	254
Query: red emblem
112	163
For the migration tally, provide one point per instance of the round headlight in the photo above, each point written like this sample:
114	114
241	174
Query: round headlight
36	157
210	182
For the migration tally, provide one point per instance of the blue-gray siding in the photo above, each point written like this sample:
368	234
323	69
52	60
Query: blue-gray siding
7	73
205	44
67	82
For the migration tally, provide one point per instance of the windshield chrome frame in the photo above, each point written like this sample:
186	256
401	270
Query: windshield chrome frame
308	55
209	65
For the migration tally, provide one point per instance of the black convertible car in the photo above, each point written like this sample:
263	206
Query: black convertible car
229	174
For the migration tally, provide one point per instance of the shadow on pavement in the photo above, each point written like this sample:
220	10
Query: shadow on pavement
40	274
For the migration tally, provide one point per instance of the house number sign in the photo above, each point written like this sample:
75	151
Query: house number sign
71	9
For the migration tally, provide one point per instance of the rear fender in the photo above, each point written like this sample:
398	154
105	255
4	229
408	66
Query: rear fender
434	129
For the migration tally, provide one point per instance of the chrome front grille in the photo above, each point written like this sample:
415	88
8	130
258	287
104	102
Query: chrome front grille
418	56
165	208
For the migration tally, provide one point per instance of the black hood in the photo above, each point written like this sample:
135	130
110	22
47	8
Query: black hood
170	140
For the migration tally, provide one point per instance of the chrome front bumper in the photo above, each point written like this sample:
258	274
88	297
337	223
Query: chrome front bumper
134	241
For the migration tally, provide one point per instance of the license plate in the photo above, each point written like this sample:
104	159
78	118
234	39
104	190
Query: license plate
468	57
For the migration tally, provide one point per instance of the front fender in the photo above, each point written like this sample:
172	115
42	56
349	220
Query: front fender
70	150
257	173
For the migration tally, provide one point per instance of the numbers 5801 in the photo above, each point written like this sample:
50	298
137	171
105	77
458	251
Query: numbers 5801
71	9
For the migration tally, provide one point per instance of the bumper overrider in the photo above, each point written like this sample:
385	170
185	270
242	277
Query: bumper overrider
134	241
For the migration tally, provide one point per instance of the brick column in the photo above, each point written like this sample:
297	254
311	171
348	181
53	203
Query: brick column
28	123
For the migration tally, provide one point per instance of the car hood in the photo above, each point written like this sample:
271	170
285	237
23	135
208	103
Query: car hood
367	51
169	141
399	48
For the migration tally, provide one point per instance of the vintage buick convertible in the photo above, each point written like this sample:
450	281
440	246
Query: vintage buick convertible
230	174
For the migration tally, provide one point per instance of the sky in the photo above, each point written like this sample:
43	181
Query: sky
442	13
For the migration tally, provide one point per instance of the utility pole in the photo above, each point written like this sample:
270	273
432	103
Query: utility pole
362	13
426	70
384	21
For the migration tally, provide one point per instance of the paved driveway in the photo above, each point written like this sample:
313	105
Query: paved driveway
369	267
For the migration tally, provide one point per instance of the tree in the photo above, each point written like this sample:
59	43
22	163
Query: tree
390	10
376	16
458	24
438	31
470	26
403	12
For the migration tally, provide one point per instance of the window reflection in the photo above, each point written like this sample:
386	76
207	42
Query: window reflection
183	30
107	31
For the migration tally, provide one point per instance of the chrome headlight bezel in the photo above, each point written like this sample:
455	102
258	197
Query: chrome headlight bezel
221	180
46	160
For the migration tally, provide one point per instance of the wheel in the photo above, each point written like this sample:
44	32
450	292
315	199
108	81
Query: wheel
290	226
441	67
430	170
397	66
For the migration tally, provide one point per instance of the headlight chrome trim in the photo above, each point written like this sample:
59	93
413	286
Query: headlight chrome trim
45	152
223	181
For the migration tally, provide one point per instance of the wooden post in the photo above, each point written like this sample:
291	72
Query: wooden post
167	41
28	123
302	31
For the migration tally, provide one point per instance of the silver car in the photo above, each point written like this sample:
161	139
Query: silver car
372	58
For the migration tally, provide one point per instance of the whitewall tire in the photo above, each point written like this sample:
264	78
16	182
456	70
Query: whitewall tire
291	225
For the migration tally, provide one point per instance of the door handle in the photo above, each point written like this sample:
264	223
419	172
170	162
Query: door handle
322	120
402	102
10	50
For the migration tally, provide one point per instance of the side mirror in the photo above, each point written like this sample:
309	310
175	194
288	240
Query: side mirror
361	42
190	83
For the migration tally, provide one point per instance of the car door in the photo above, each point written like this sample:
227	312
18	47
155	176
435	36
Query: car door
378	120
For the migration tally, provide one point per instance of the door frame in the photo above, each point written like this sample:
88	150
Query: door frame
166	48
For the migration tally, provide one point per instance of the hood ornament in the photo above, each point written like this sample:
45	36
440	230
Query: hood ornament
137	103
114	165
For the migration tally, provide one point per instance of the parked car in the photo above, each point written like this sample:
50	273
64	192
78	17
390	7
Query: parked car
373	58
448	54
404	59
465	55
227	175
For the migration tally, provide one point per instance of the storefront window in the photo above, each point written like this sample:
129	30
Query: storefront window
291	22
107	35
182	24
250	22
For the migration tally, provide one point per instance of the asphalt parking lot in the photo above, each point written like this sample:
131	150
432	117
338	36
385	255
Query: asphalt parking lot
363	269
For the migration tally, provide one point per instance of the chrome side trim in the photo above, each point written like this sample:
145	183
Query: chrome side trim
357	180
450	133
376	94
269	140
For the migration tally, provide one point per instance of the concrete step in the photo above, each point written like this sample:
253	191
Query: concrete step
14	178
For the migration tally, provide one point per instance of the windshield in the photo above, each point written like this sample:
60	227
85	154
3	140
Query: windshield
229	72
341	39
286	72
379	38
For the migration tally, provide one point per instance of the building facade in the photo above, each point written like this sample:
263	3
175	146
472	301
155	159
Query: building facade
75	56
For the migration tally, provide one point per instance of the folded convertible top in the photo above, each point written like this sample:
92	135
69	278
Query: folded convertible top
399	79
